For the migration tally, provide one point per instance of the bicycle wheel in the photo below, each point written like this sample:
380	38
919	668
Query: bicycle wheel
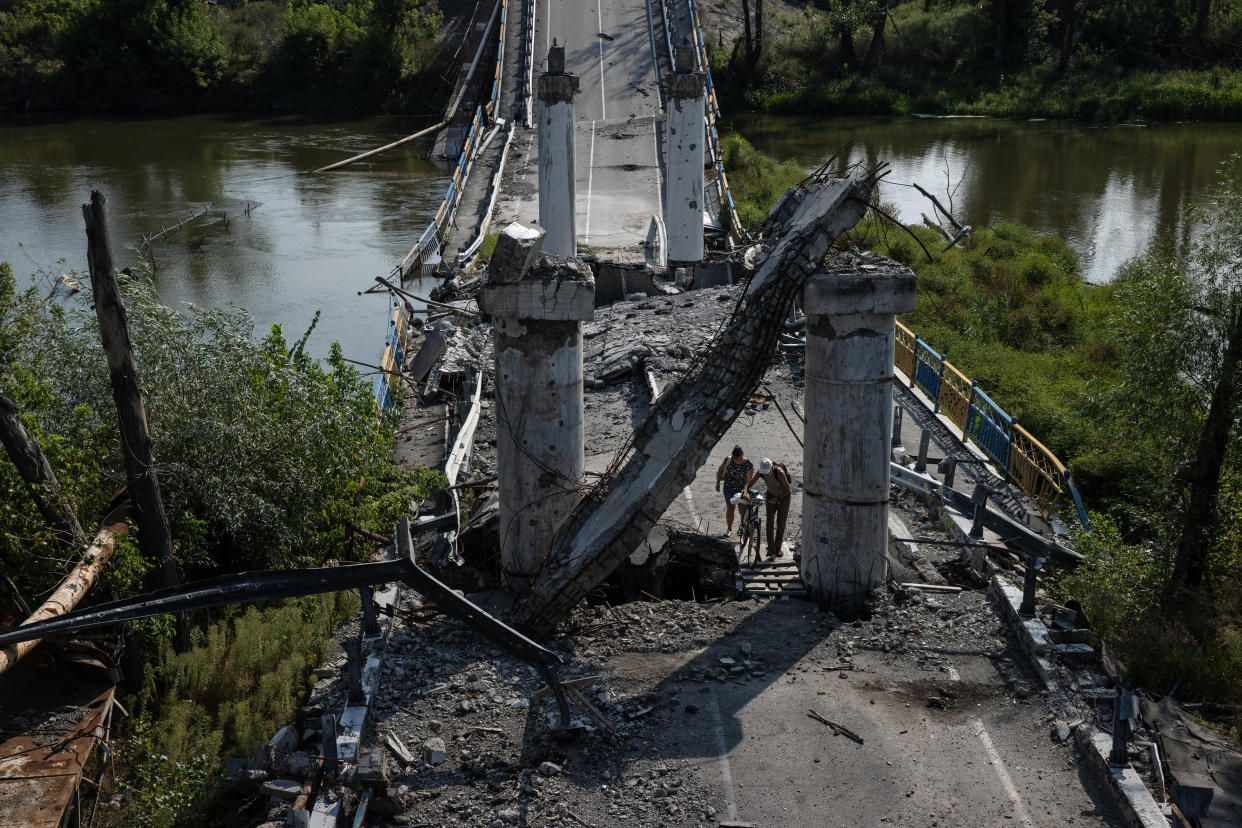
756	529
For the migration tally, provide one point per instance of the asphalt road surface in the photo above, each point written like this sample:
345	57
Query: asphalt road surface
613	48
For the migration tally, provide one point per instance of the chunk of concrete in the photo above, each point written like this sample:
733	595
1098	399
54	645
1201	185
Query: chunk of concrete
286	739
434	752
282	789
515	252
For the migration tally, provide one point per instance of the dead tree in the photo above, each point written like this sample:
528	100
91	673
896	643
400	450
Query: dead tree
76	584
689	419
37	474
154	536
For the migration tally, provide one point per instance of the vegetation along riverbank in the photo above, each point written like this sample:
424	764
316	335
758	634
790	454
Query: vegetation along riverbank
268	459
153	55
1135	384
1107	61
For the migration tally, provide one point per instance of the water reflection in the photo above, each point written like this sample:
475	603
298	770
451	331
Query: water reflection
311	242
1108	190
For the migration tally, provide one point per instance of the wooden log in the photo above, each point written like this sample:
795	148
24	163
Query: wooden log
37	474
154	535
378	150
76	584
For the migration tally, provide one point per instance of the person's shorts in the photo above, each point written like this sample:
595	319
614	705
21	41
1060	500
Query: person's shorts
728	496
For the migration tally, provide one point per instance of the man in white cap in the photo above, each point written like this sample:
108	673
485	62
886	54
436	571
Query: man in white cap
780	492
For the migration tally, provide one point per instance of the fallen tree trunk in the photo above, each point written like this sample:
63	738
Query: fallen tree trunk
688	419
76	584
37	473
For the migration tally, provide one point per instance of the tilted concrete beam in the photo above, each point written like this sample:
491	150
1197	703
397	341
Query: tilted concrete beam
689	418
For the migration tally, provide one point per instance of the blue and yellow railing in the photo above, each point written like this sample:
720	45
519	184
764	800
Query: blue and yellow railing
1024	460
396	346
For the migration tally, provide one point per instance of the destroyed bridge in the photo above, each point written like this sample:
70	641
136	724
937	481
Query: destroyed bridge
647	218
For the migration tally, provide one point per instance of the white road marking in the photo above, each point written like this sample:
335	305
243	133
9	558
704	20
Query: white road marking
586	239
603	106
1002	773
726	774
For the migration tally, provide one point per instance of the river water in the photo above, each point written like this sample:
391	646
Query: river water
1107	190
309	242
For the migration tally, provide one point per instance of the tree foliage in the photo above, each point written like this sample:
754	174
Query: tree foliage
1095	59
265	455
362	55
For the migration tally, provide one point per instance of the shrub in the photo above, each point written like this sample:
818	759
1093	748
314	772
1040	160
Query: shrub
265	455
245	677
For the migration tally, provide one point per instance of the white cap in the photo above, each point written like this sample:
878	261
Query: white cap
765	466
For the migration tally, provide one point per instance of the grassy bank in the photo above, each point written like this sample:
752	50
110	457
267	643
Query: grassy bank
1116	380
1112	62
225	697
151	55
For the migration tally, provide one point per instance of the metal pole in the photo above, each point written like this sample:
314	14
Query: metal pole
897	415
370	624
353	658
948	470
328	729
1123	712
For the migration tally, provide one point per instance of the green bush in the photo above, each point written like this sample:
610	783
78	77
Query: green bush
244	677
265	455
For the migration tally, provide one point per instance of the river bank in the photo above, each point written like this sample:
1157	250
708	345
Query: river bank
1109	63
1098	374
146	56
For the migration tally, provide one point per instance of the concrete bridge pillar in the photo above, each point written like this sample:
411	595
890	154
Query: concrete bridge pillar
851	310
537	304
555	127
684	137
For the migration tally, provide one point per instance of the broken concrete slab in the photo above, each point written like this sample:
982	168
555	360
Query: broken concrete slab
282	789
516	249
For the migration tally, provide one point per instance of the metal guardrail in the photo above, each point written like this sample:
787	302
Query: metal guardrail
1024	459
493	102
396	346
428	247
736	232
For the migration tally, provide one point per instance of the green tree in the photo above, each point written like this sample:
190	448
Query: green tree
1179	331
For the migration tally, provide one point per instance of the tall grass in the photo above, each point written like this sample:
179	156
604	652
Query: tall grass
756	180
244	677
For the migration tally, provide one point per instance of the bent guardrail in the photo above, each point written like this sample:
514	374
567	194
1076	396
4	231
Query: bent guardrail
1000	436
396	345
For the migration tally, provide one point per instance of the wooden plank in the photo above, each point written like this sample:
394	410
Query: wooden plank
932	587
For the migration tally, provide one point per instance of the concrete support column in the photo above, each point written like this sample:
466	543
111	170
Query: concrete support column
537	304
684	137
851	330
555	129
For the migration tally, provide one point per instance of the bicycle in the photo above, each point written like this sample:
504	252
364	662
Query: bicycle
750	531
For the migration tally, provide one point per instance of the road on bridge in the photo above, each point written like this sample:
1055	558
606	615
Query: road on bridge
615	49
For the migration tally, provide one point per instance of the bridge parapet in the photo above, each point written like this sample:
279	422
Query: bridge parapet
1000	436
